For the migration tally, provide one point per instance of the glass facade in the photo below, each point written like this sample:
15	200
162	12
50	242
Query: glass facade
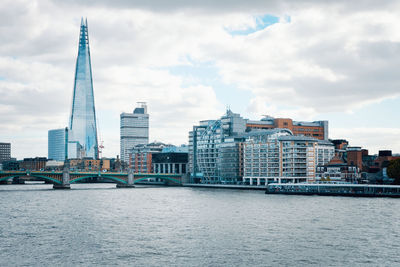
205	142
56	144
230	160
82	126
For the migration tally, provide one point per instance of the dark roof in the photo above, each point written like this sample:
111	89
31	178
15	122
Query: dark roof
138	111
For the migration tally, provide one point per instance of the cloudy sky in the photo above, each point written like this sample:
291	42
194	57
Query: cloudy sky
306	60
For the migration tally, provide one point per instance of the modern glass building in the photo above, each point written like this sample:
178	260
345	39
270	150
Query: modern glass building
205	142
56	144
82	125
233	149
230	160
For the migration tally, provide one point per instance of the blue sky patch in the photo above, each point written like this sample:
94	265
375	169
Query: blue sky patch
261	22
207	74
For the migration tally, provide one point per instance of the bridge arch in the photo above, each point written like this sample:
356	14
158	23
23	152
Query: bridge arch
157	177
118	180
7	177
46	178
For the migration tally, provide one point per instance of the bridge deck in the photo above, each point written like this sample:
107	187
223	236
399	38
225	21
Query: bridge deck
118	177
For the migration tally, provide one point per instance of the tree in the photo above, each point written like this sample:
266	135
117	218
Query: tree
393	170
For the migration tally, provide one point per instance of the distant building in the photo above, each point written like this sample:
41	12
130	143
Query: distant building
277	155
75	150
11	165
56	144
340	147
170	162
340	144
140	156
337	171
53	165
91	165
5	152
33	164
204	141
105	165
175	149
384	157
355	156
230	160
216	148
134	130
117	165
368	162
315	129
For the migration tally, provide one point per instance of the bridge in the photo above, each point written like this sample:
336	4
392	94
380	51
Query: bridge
63	179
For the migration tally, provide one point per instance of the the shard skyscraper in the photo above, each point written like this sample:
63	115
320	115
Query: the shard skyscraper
82	125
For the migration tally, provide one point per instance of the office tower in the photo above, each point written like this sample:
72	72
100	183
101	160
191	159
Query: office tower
5	151
56	144
134	130
82	127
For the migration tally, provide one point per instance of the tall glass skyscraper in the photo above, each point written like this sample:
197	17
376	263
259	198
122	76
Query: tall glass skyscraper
82	125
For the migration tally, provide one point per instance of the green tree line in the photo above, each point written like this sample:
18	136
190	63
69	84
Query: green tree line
393	170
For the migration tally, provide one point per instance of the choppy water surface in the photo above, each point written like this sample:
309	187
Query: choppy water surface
96	224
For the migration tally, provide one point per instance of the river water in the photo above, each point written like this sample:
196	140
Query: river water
96	224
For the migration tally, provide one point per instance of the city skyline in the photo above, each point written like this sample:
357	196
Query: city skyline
334	62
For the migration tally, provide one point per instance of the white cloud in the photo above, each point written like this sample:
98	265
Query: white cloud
329	61
329	57
373	139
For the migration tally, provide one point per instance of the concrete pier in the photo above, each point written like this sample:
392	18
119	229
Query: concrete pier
130	181
65	179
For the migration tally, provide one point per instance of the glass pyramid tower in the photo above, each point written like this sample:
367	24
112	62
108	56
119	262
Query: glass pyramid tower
82	124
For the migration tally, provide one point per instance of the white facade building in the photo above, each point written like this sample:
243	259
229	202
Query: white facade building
324	153
134	130
278	156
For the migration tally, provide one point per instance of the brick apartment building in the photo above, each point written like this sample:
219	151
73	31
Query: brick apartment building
315	129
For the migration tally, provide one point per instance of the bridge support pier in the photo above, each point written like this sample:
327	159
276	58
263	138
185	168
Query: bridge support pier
130	181
65	179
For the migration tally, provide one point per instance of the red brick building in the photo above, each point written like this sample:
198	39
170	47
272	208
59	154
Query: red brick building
140	156
355	156
316	129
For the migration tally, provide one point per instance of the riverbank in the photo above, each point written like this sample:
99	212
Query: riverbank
350	190
226	186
